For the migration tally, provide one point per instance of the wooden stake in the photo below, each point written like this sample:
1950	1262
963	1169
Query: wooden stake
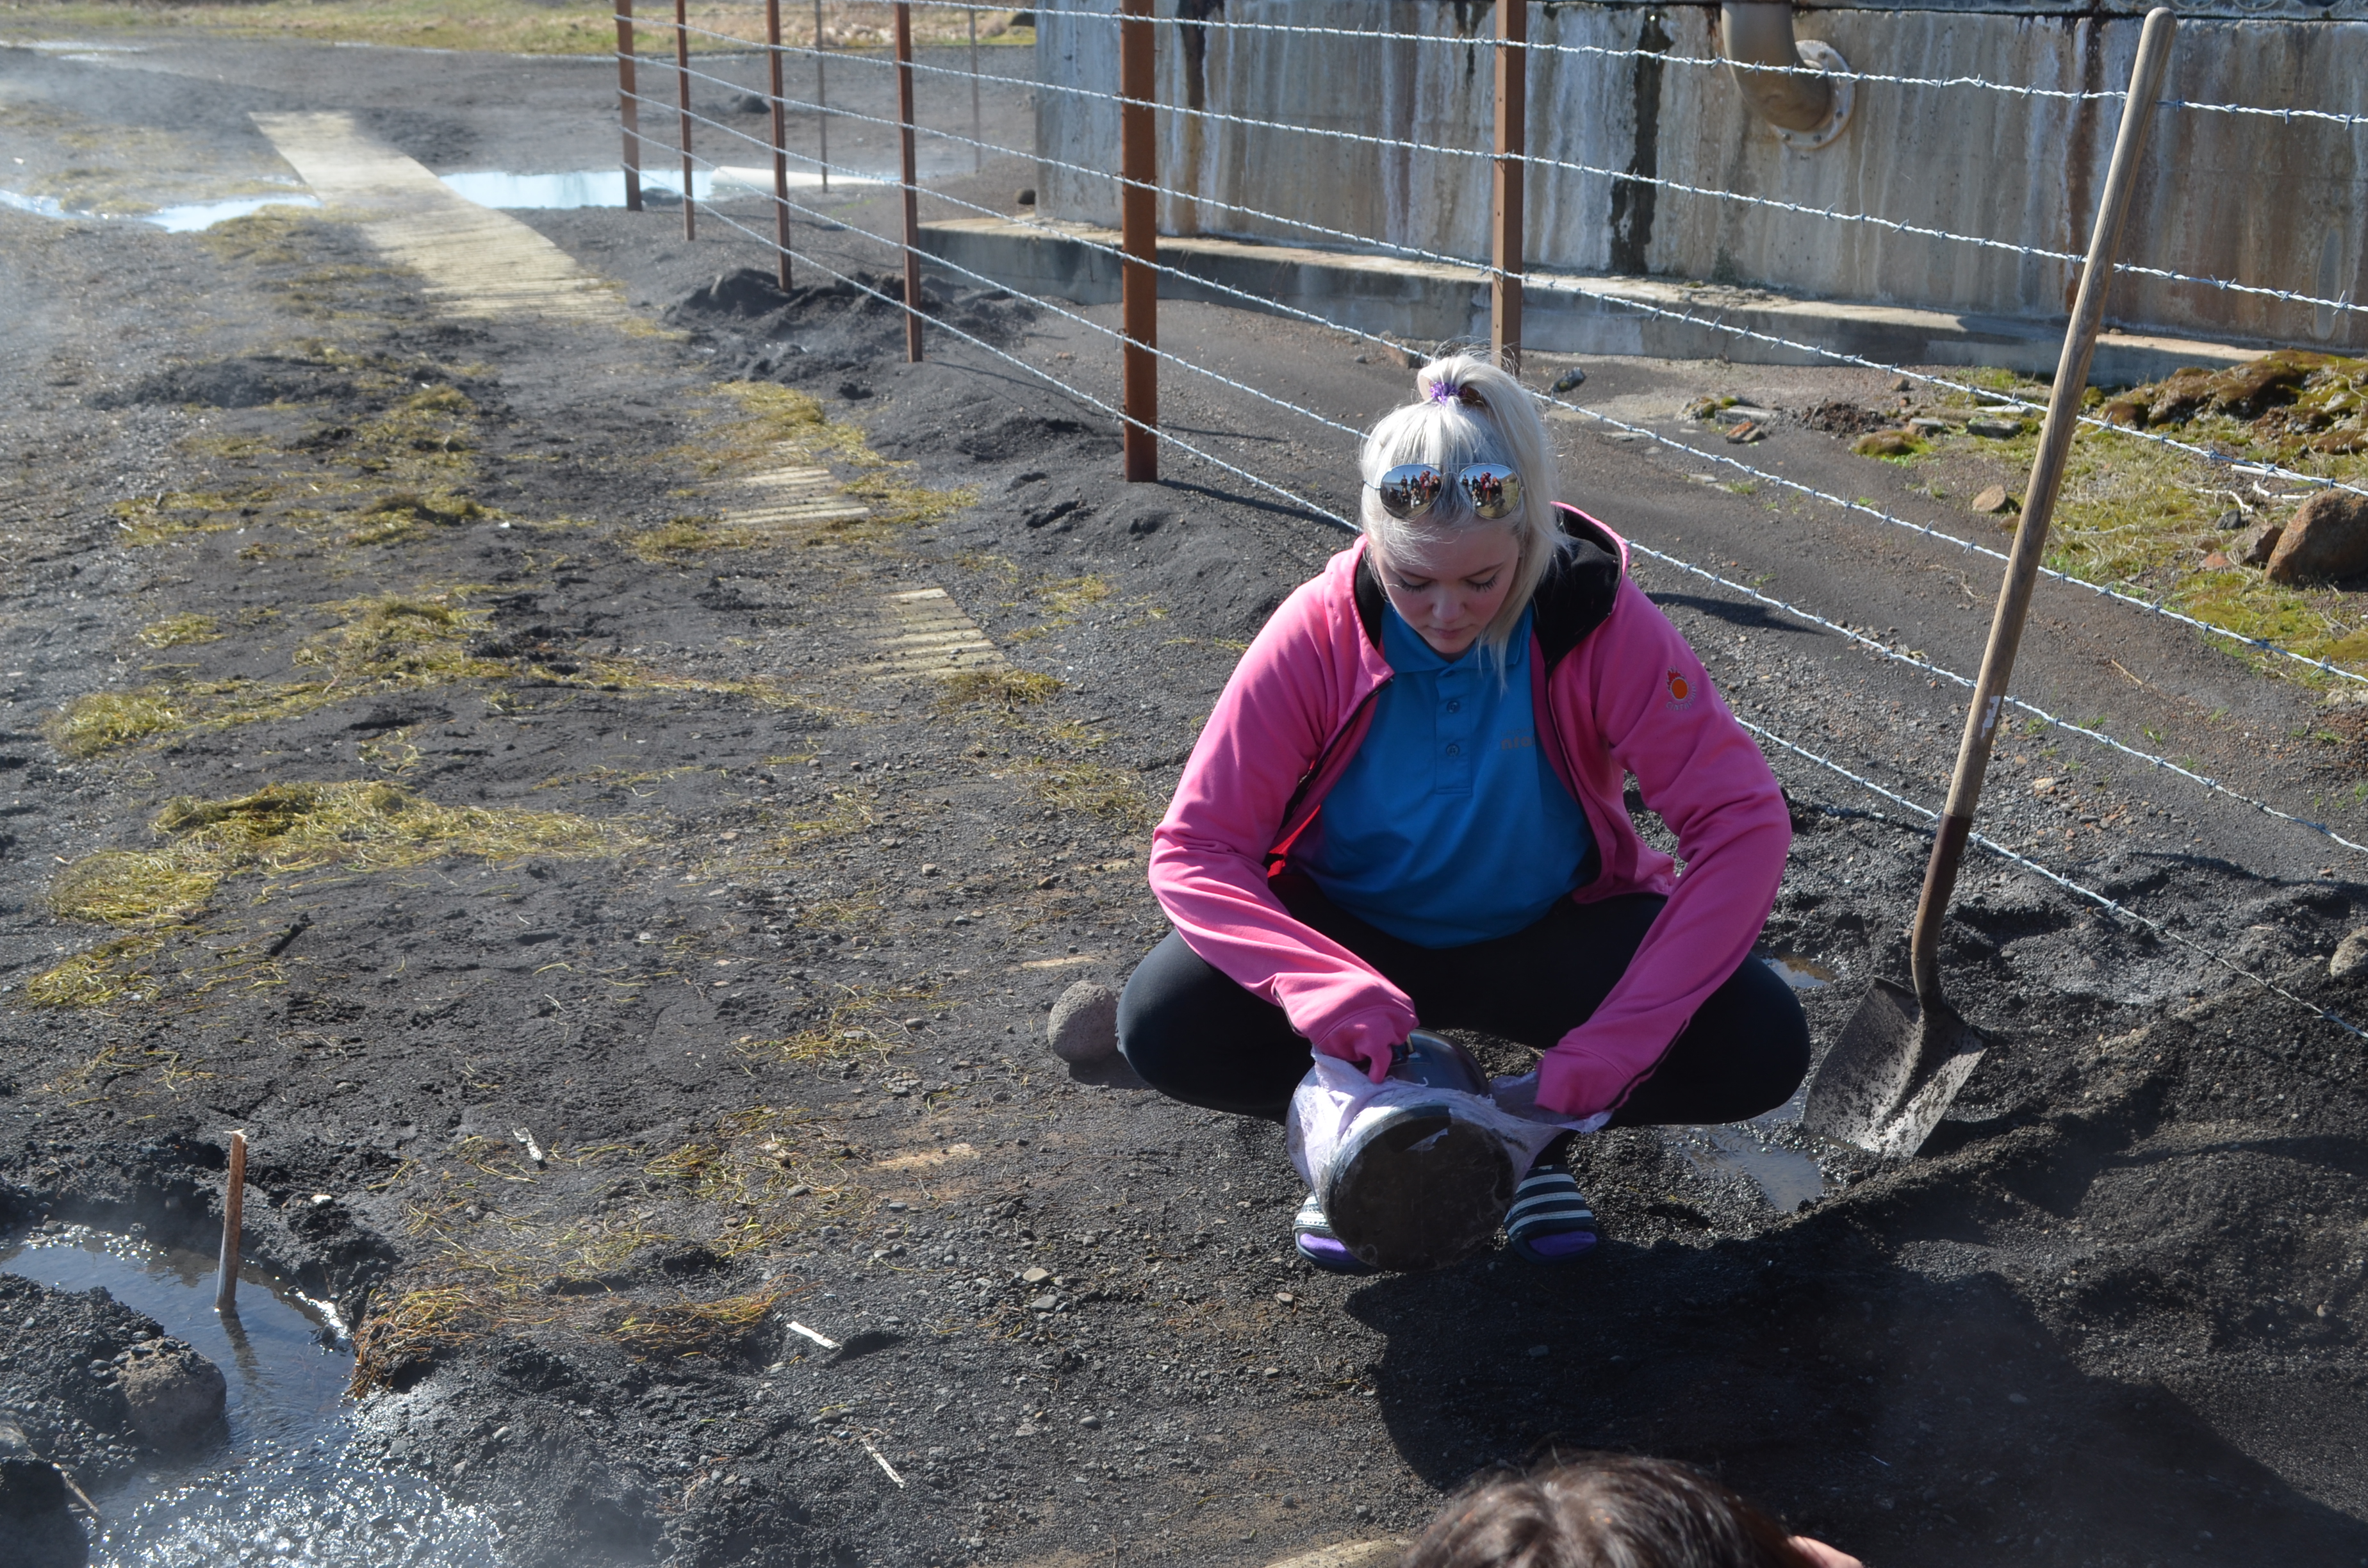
912	182
233	1216
781	143
1512	141
1139	223
682	97
822	103
629	106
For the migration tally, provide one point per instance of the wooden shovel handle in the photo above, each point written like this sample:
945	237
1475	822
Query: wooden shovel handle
1956	823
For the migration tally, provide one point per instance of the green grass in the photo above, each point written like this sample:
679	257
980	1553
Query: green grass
2139	515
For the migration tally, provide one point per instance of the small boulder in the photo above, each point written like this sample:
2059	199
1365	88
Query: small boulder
1084	1027
1994	427
1995	500
749	103
2258	545
1887	444
175	1395
2351	959
2326	540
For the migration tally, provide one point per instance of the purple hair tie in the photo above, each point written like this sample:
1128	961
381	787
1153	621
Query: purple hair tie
1445	392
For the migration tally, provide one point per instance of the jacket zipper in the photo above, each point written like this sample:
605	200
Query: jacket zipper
1307	779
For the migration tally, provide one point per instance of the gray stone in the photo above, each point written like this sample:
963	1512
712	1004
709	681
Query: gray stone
1084	1026
2327	539
2350	957
749	103
2256	548
175	1395
1995	429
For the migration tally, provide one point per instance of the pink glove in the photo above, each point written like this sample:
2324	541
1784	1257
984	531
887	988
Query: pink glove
1370	1041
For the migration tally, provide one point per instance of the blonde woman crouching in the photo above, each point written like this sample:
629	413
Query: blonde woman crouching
1406	812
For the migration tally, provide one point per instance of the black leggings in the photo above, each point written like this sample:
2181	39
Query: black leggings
1195	1035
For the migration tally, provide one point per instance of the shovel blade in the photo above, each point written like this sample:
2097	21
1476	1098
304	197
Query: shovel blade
1890	1078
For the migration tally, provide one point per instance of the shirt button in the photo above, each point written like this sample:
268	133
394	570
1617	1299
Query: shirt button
1454	750
1455	705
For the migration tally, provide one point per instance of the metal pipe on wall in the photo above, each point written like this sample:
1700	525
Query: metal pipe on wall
1809	108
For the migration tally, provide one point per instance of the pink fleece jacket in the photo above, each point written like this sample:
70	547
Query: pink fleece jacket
1630	698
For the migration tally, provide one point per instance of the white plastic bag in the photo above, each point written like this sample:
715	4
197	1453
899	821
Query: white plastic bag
1335	1099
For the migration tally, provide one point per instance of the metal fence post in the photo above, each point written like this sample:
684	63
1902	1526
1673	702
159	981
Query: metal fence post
682	98
781	141
1512	142
977	123
1139	223
912	182
822	106
629	106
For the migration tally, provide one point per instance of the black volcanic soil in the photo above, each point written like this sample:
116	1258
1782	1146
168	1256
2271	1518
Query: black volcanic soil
768	998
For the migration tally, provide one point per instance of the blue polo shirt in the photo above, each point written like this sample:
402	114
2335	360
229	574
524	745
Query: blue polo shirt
1449	826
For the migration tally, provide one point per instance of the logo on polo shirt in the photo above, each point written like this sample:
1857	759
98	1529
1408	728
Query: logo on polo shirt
1682	693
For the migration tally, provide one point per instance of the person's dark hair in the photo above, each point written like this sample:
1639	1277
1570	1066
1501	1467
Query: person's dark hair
1604	1511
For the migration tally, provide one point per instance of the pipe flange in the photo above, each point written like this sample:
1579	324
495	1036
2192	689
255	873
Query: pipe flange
1827	59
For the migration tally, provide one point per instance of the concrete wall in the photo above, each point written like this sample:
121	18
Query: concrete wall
2276	204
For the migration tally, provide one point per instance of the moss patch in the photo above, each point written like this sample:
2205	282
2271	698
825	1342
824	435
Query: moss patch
2144	516
288	828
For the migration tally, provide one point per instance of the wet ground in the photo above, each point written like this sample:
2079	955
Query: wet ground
415	756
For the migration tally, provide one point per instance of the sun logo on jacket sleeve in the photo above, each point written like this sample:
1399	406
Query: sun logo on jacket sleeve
1682	693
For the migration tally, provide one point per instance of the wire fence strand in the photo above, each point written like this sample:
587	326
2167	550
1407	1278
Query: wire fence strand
2110	906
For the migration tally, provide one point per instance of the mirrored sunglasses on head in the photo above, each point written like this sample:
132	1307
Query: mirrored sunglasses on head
1409	490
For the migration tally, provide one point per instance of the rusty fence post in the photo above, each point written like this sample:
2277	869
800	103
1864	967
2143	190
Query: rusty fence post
1512	142
233	1216
822	106
977	122
912	182
781	141
682	98
1139	226
629	106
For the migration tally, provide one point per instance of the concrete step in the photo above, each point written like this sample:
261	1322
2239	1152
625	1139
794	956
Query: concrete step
1423	303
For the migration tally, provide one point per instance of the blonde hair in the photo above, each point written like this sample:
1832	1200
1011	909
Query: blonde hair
1469	412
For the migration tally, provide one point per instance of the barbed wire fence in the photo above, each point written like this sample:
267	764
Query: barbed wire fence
1134	247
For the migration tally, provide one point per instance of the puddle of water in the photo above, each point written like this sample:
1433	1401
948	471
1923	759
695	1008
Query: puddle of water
187	219
282	1490
1800	973
606	187
1786	1176
197	215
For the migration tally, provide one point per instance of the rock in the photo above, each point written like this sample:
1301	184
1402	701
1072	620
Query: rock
1035	1275
2326	540
2350	957
2256	548
37	1528
2043	786
1044	1303
1084	1026
1746	432
749	103
1926	425
1995	429
2216	561
1574	377
175	1395
1887	444
1996	500
2229	521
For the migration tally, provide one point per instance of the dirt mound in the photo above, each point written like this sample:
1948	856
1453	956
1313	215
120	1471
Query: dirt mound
811	331
1845	419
